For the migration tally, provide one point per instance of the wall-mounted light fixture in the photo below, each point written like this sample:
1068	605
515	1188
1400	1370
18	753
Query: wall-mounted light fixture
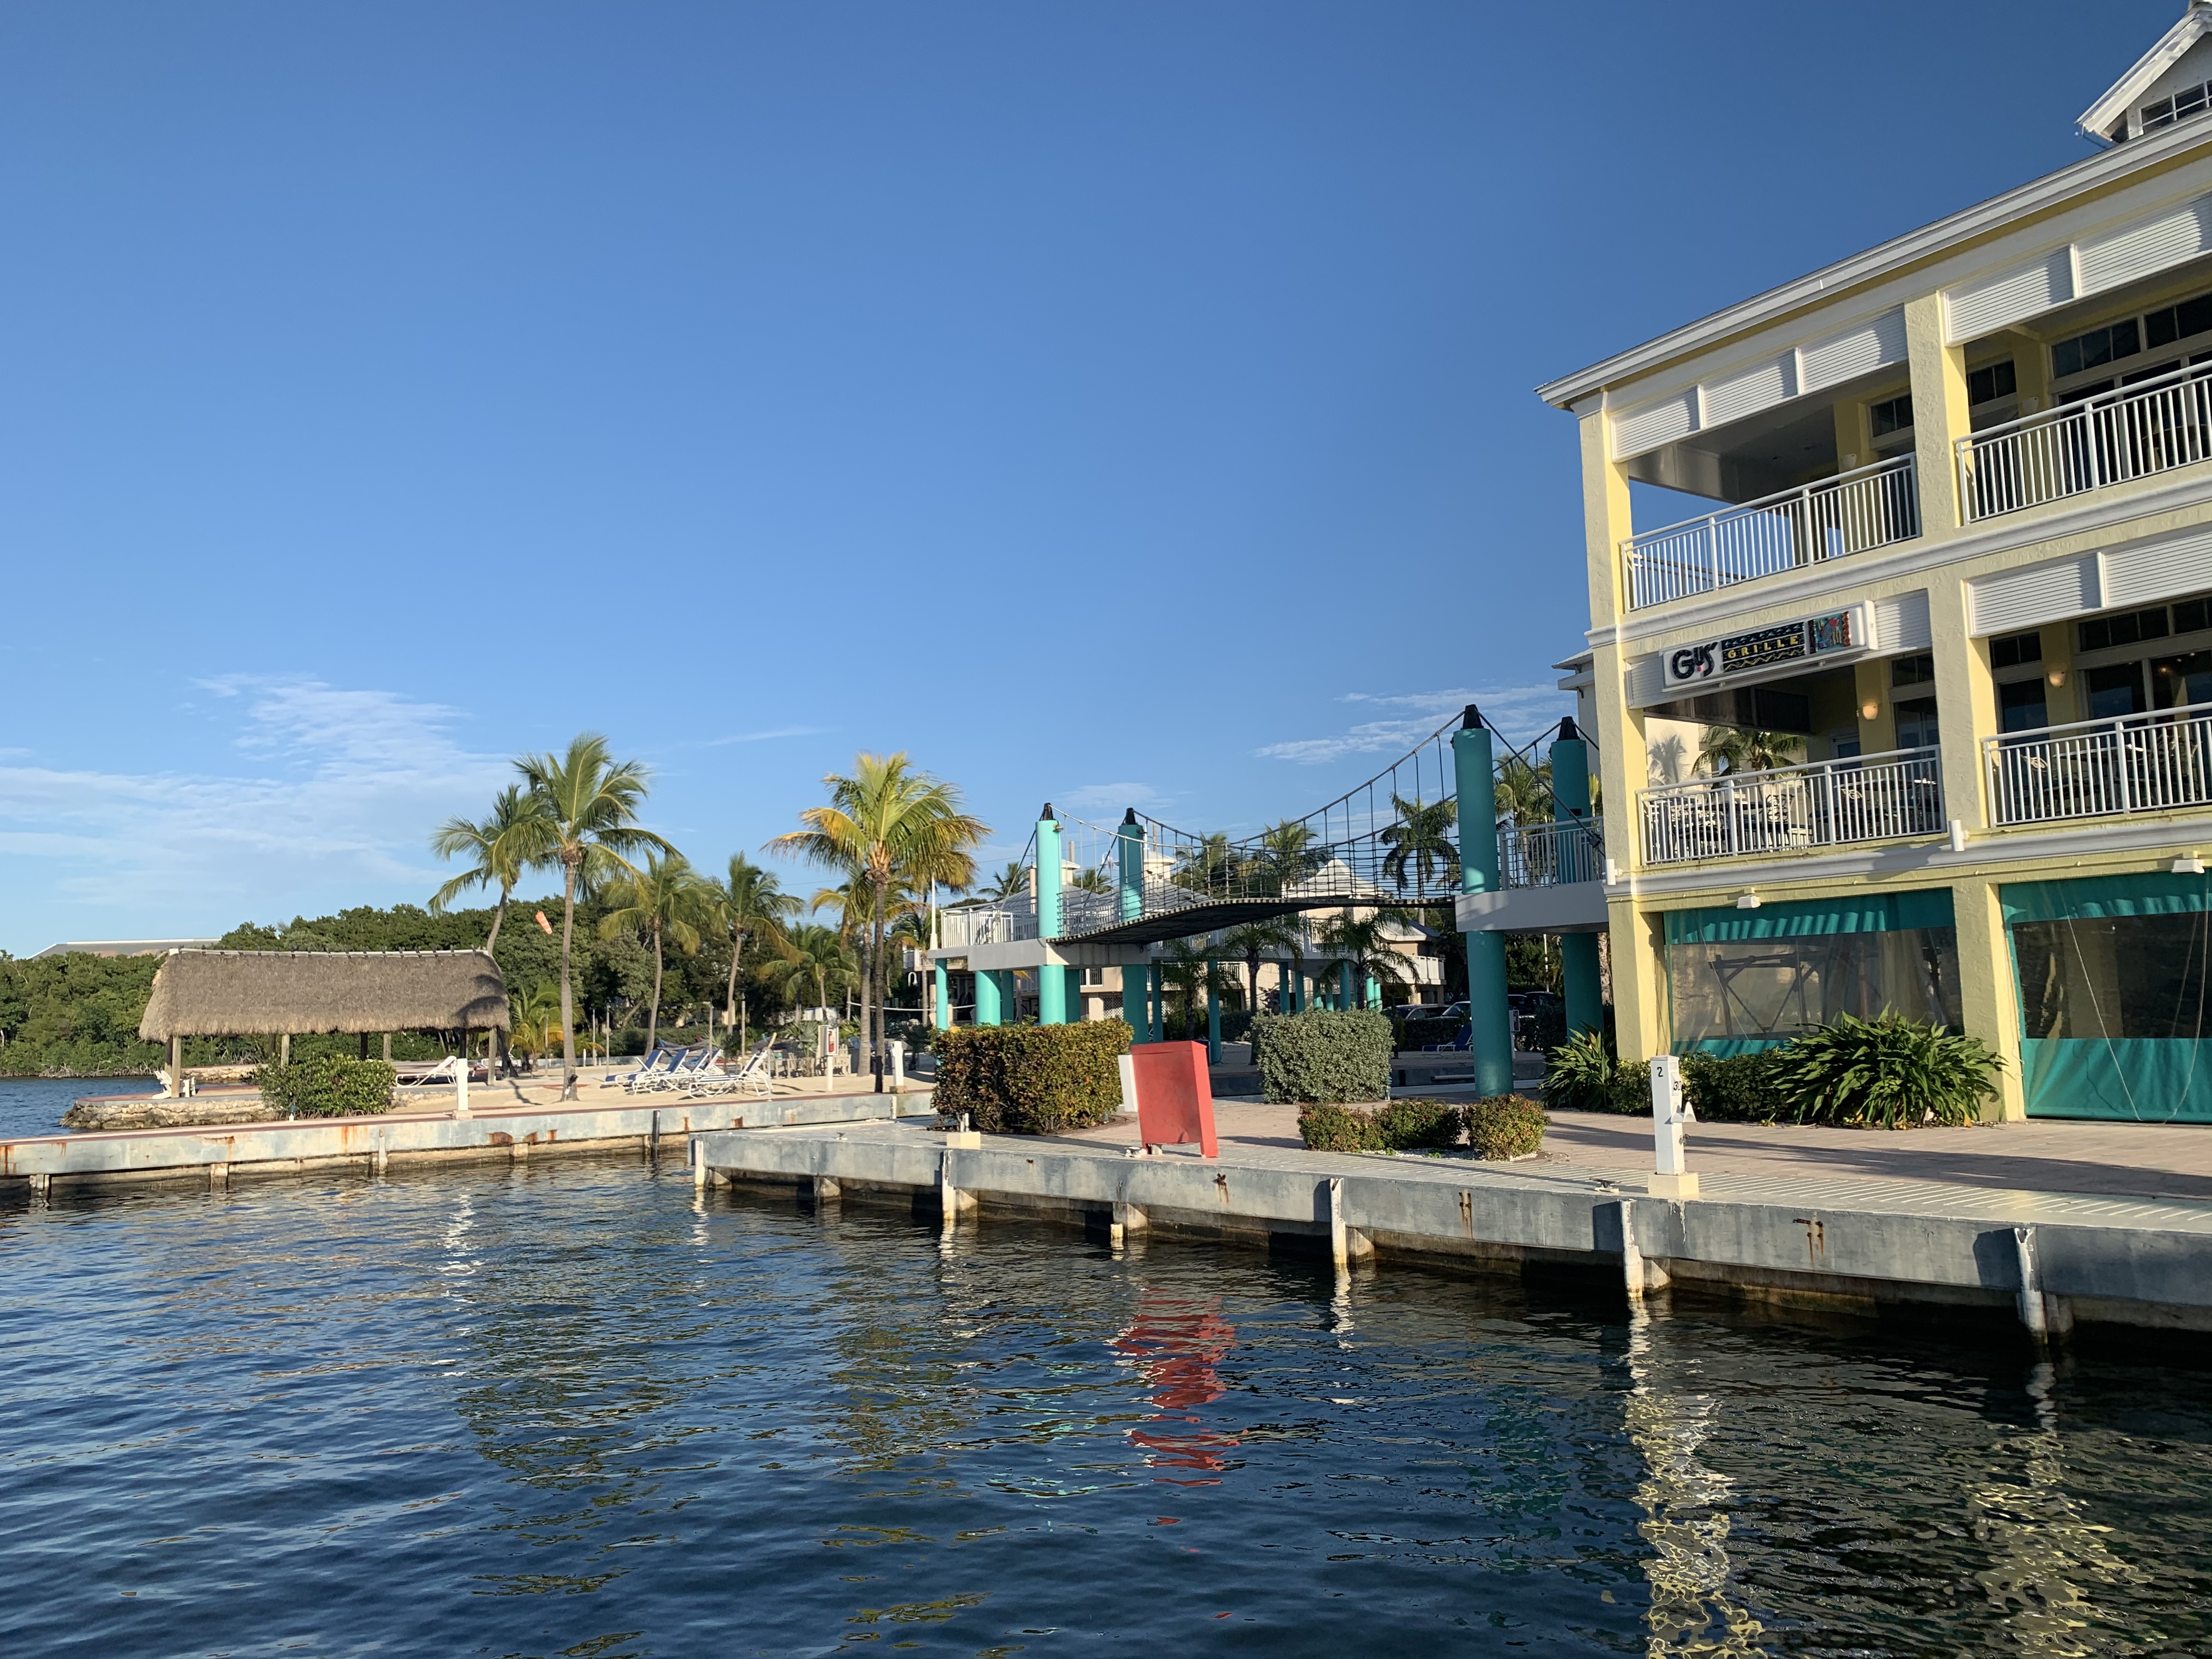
2058	676
1746	901
2189	865
1870	709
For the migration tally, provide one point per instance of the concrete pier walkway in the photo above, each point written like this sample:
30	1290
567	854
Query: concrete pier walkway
2049	1259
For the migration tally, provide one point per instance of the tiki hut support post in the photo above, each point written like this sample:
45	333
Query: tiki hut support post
176	1067
461	1077
284	1049
387	1048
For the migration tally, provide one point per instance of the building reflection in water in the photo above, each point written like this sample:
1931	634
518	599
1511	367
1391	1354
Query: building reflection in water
1175	1343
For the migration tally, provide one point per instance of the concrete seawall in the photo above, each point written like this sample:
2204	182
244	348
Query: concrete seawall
507	1130
2049	1260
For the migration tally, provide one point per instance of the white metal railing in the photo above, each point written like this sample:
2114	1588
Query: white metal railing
1867	797
966	926
2093	769
1548	854
1849	512
2129	433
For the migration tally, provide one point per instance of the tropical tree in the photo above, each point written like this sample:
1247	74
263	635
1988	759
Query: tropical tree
1204	865
1419	840
1093	880
1253	939
1739	748
1011	883
1364	943
1193	966
533	1018
896	828
749	904
503	846
590	801
809	958
1286	855
666	902
1521	793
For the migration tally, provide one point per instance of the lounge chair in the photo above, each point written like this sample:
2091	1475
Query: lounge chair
751	1078
690	1064
631	1080
1458	1045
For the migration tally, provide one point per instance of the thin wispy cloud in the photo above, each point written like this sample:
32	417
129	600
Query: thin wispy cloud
764	737
1112	798
1517	712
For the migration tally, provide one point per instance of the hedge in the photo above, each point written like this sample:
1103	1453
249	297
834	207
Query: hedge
1032	1079
1504	1126
1323	1056
1399	1125
327	1085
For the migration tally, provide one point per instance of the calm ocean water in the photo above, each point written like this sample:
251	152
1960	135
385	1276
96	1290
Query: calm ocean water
34	1105
579	1410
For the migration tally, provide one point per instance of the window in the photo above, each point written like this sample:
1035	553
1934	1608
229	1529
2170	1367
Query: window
2164	112
2114	977
2099	345
2011	650
1895	415
1916	724
2178	322
1773	988
2115	691
2192	616
2180	682
2021	707
2128	628
1914	670
1986	385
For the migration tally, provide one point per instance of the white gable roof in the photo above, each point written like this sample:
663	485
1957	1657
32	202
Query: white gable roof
2105	120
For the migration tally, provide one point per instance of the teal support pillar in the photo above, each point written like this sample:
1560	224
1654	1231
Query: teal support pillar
1052	983
1579	859
1491	1038
1286	991
1136	1003
1212	1018
1344	987
1129	849
1156	984
987	1009
1374	993
1074	995
944	1000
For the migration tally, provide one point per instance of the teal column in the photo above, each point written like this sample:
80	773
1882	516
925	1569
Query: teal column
1212	1019
1156	984
987	1010
1130	850
1286	995
944	1000
1491	1038
1374	991
1074	995
1052	983
1135	1002
1578	861
1344	987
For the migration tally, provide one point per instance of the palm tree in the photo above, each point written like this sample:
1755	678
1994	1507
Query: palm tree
1363	945
503	846
1523	792
1286	856
1738	749
1193	966
1093	880
1011	883
1204	865
530	1016
750	903
667	901
808	957
590	801
1421	837
1254	939
891	827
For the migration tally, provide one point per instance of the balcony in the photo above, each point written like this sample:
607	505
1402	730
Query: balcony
1551	854
2111	438
1852	513
1827	803
2103	769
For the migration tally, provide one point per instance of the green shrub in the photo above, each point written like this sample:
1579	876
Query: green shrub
327	1085
1503	1126
1409	1125
1884	1073
1578	1074
1733	1088
1323	1056
1032	1079
1329	1128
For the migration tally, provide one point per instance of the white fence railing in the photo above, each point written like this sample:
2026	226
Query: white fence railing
1849	512
962	928
2130	433
1548	855
1869	798
2142	763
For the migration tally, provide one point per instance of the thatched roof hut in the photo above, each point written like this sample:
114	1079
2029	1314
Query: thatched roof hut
292	992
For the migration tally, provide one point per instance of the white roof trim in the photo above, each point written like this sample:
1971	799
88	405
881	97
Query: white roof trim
2034	196
2193	27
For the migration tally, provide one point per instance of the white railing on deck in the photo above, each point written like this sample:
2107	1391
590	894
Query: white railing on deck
1868	797
2094	769
1849	512
2129	433
962	928
1548	854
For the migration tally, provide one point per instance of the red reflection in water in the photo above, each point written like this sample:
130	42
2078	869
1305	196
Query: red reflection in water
1176	1342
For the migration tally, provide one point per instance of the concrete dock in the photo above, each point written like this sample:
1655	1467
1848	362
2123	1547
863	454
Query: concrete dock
501	1124
2051	1260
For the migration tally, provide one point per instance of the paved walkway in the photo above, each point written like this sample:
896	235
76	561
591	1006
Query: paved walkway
2129	1160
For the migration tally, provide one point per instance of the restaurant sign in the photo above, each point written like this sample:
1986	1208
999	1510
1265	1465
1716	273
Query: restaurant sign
1832	635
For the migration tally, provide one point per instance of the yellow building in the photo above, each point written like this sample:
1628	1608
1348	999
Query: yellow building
1921	718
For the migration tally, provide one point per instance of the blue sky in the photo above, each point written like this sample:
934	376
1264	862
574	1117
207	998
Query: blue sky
1119	405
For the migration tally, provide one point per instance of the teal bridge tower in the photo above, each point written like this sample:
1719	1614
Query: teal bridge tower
1504	840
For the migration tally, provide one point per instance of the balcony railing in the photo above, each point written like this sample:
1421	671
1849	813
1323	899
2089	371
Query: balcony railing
2097	768
1869	798
2131	432
972	925
1849	512
1550	854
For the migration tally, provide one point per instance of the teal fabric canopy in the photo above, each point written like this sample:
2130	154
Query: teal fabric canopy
2159	893
1859	913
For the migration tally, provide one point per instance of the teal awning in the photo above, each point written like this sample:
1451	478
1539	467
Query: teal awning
1861	913
2092	898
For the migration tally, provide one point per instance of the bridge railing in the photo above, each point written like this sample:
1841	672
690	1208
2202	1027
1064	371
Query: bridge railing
1551	854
